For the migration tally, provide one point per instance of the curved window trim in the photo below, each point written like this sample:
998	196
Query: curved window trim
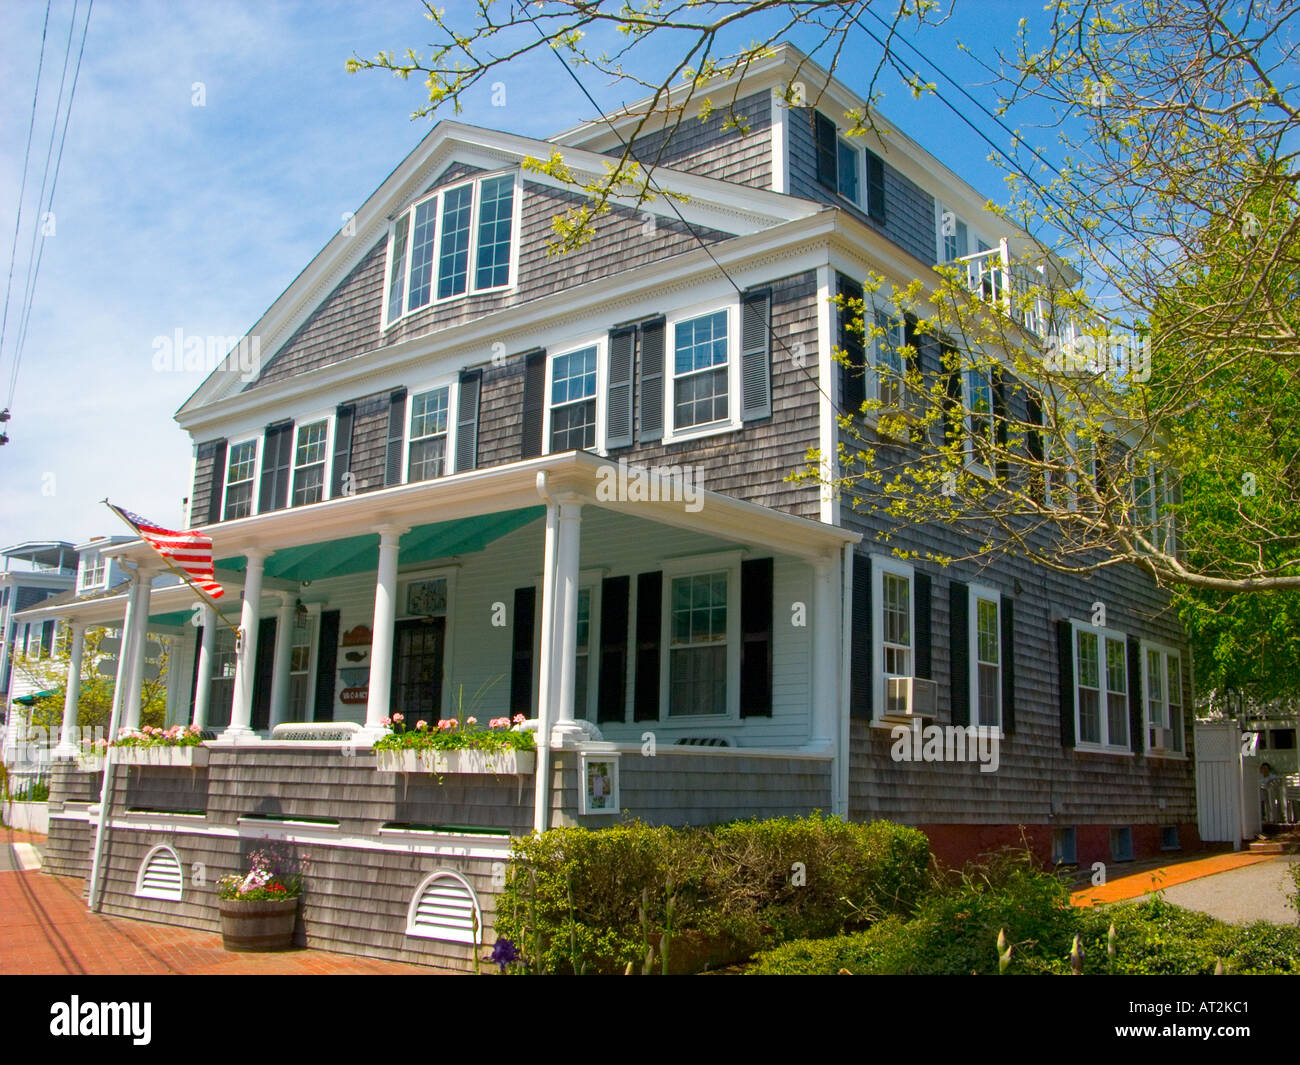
423	933
408	212
140	891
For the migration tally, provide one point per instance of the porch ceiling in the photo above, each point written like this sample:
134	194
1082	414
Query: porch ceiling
360	554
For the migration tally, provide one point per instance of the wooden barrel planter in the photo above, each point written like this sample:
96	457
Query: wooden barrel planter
257	926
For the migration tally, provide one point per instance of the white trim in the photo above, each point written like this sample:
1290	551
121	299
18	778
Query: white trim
327	472
141	892
1103	708
676	569
828	397
780	157
599	341
1165	652
880	565
231	444
976	592
451	382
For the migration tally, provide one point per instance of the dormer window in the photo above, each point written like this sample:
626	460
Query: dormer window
92	572
459	239
841	164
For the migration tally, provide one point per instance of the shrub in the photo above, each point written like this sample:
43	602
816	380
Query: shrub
589	901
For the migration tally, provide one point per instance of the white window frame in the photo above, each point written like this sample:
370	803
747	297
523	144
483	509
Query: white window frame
256	441
975	593
591	583
98	569
1165	652
313	651
725	561
858	170
451	382
1103	701
880	565
733	420
600	343
975	242
436	197
969	373
416	576
327	473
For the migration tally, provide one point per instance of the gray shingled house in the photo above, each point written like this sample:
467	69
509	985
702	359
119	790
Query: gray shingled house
465	472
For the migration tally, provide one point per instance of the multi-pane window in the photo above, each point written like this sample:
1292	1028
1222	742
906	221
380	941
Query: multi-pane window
896	624
698	645
847	171
581	683
309	463
573	401
979	405
300	666
222	692
1155	497
457	240
428	452
956	238
495	218
1163	680
1101	683
988	660
93	569
241	463
890	382
700	371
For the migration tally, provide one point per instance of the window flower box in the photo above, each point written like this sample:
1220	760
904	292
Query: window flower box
189	757
504	762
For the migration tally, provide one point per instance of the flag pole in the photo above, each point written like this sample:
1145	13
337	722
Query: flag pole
208	601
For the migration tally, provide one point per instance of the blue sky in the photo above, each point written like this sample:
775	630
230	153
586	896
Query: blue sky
170	216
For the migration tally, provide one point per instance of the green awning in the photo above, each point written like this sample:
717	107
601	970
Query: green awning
357	554
30	700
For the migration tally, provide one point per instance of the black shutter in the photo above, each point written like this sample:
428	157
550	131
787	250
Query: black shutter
1065	669
467	401
263	670
1000	414
611	697
619	410
343	421
861	671
218	453
327	652
47	638
954	410
650	382
1008	666
194	674
756	354
827	152
853	378
875	187
521	659
756	638
1135	725
277	462
924	641
396	437
959	653
534	403
1034	447
649	609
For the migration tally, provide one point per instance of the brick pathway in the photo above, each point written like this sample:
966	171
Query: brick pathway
1143	883
45	928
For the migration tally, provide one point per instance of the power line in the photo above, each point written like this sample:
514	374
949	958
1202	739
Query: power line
58	163
22	188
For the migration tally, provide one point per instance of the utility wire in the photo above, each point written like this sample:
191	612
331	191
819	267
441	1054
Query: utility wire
22	188
58	163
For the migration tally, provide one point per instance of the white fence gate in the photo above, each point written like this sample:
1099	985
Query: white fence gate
1227	785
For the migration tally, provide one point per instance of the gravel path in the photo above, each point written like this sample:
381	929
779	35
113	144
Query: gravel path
1257	892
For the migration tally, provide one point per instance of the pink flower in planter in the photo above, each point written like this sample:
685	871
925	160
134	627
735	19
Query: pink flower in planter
471	721
384	722
519	719
420	726
398	718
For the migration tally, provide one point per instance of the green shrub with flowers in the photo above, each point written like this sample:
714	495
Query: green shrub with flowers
271	875
151	736
452	734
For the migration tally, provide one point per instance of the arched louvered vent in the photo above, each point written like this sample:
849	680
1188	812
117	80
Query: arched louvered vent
160	876
445	907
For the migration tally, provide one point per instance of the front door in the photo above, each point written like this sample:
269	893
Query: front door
417	669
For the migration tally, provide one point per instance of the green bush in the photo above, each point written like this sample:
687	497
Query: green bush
578	900
955	929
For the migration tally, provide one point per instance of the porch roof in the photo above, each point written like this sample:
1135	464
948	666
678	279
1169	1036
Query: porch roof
430	509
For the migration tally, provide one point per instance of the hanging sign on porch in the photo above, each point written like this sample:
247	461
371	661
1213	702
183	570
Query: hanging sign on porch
353	696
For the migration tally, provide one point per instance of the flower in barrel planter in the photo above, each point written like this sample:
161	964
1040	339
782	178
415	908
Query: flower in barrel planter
260	907
152	736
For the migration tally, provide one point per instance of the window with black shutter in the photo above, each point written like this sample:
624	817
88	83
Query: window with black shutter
620	395
853	378
1136	726
756	354
827	152
1065	672
215	452
467	404
861	668
756	637
521	659
875	188
921	587
277	468
959	649
396	437
1008	666
650	382
342	481
327	650
534	403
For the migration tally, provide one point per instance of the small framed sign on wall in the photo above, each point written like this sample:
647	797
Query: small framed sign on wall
598	786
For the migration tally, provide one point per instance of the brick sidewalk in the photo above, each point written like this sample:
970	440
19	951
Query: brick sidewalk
46	929
1142	883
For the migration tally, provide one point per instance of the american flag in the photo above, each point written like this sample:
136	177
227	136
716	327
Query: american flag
191	552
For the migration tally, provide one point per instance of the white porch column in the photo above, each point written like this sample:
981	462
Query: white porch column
241	710
564	662
545	678
139	647
68	746
203	681
381	634
283	650
124	657
825	646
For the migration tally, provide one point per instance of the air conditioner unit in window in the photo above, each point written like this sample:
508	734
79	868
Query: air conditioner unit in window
897	400
910	697
1162	739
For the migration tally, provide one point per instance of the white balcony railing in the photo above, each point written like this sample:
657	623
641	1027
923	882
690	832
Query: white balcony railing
998	280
